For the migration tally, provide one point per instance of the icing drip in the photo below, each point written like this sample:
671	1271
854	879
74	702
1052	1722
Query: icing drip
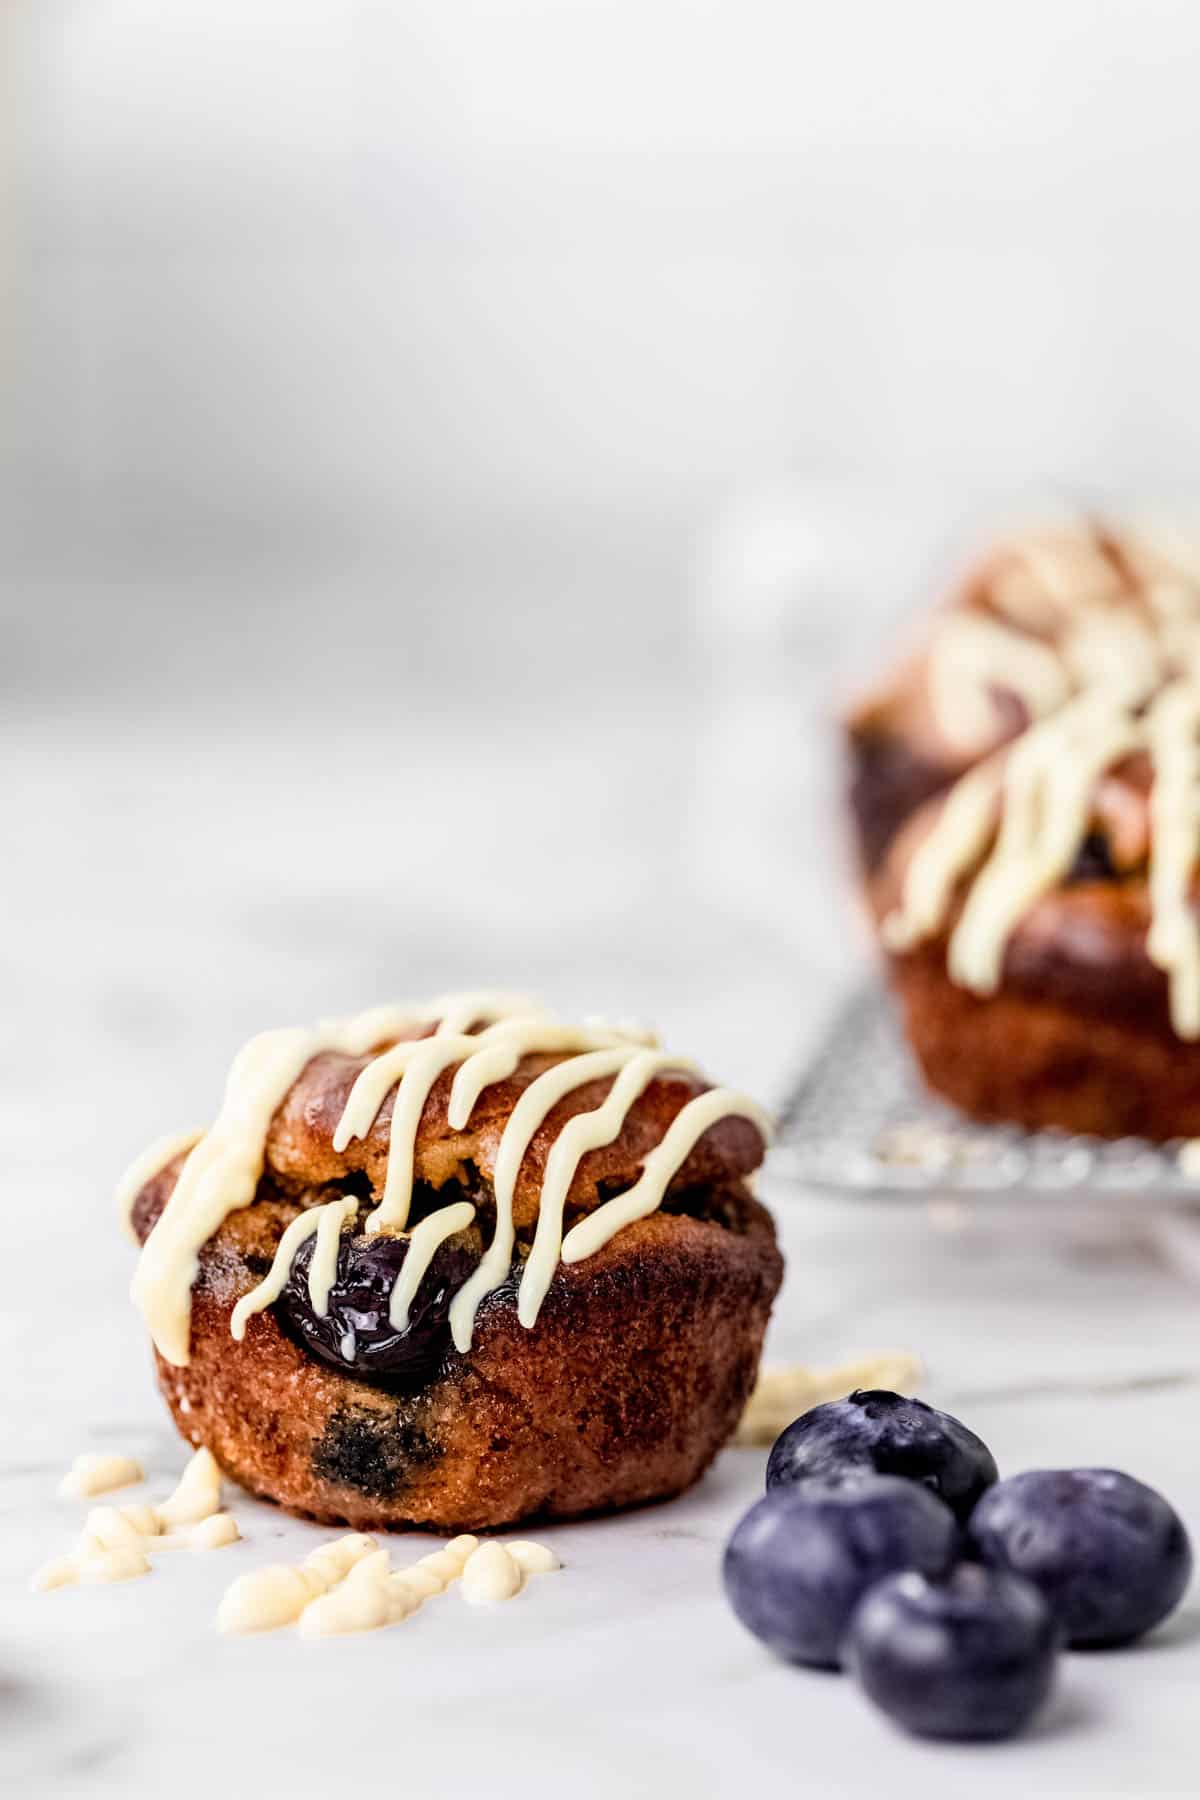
1046	792
586	1131
649	1191
539	1098
491	1573
117	1541
1045	787
955	843
144	1168
223	1170
350	1585
1164	557
1049	782
1114	648
1076	609
1173	943
374	1594
1054	576
970	657
97	1473
326	1221
423	1245
265	1599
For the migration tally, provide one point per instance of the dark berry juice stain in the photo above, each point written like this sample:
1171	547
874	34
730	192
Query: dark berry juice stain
374	1453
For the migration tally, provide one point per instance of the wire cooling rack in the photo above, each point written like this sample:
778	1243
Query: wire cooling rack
858	1121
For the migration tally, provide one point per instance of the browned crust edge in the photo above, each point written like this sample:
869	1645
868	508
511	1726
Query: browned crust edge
636	1373
1091	1052
300	1153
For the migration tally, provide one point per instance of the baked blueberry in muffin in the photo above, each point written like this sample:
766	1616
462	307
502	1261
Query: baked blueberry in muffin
458	1265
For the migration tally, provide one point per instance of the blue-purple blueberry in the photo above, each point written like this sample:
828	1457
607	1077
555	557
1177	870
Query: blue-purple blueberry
800	1561
879	1431
354	1334
1109	1554
967	1655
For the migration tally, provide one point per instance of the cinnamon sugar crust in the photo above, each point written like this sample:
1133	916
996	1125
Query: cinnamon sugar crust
641	1362
1078	1035
1043	1058
635	1374
300	1142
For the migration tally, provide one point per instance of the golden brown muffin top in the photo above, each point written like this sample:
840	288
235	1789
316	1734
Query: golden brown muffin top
558	1121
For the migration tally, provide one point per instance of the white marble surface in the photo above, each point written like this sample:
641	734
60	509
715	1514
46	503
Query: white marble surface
194	873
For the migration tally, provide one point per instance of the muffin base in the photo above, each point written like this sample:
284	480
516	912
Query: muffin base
634	1376
1040	1059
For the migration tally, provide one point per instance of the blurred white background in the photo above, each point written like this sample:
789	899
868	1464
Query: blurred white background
459	320
455	455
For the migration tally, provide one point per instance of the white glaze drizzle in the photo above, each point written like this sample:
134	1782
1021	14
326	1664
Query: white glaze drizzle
350	1586
1053	576
649	1191
270	1065
1116	648
1173	942
222	1172
1049	779
1070	618
1046	785
970	656
374	1594
97	1472
534	1559
491	1574
265	1599
1165	556
322	1271
326	1222
152	1161
955	842
117	1542
423	1244
586	1131
538	1100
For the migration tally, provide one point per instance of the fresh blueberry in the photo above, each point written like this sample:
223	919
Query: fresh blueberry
885	1432
800	1561
355	1335
1110	1555
966	1655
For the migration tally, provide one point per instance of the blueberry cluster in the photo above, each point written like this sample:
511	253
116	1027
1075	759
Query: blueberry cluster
886	1544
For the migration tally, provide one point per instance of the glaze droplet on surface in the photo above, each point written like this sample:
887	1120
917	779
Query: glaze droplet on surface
95	1472
117	1541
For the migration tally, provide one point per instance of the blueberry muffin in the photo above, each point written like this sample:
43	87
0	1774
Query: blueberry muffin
457	1266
